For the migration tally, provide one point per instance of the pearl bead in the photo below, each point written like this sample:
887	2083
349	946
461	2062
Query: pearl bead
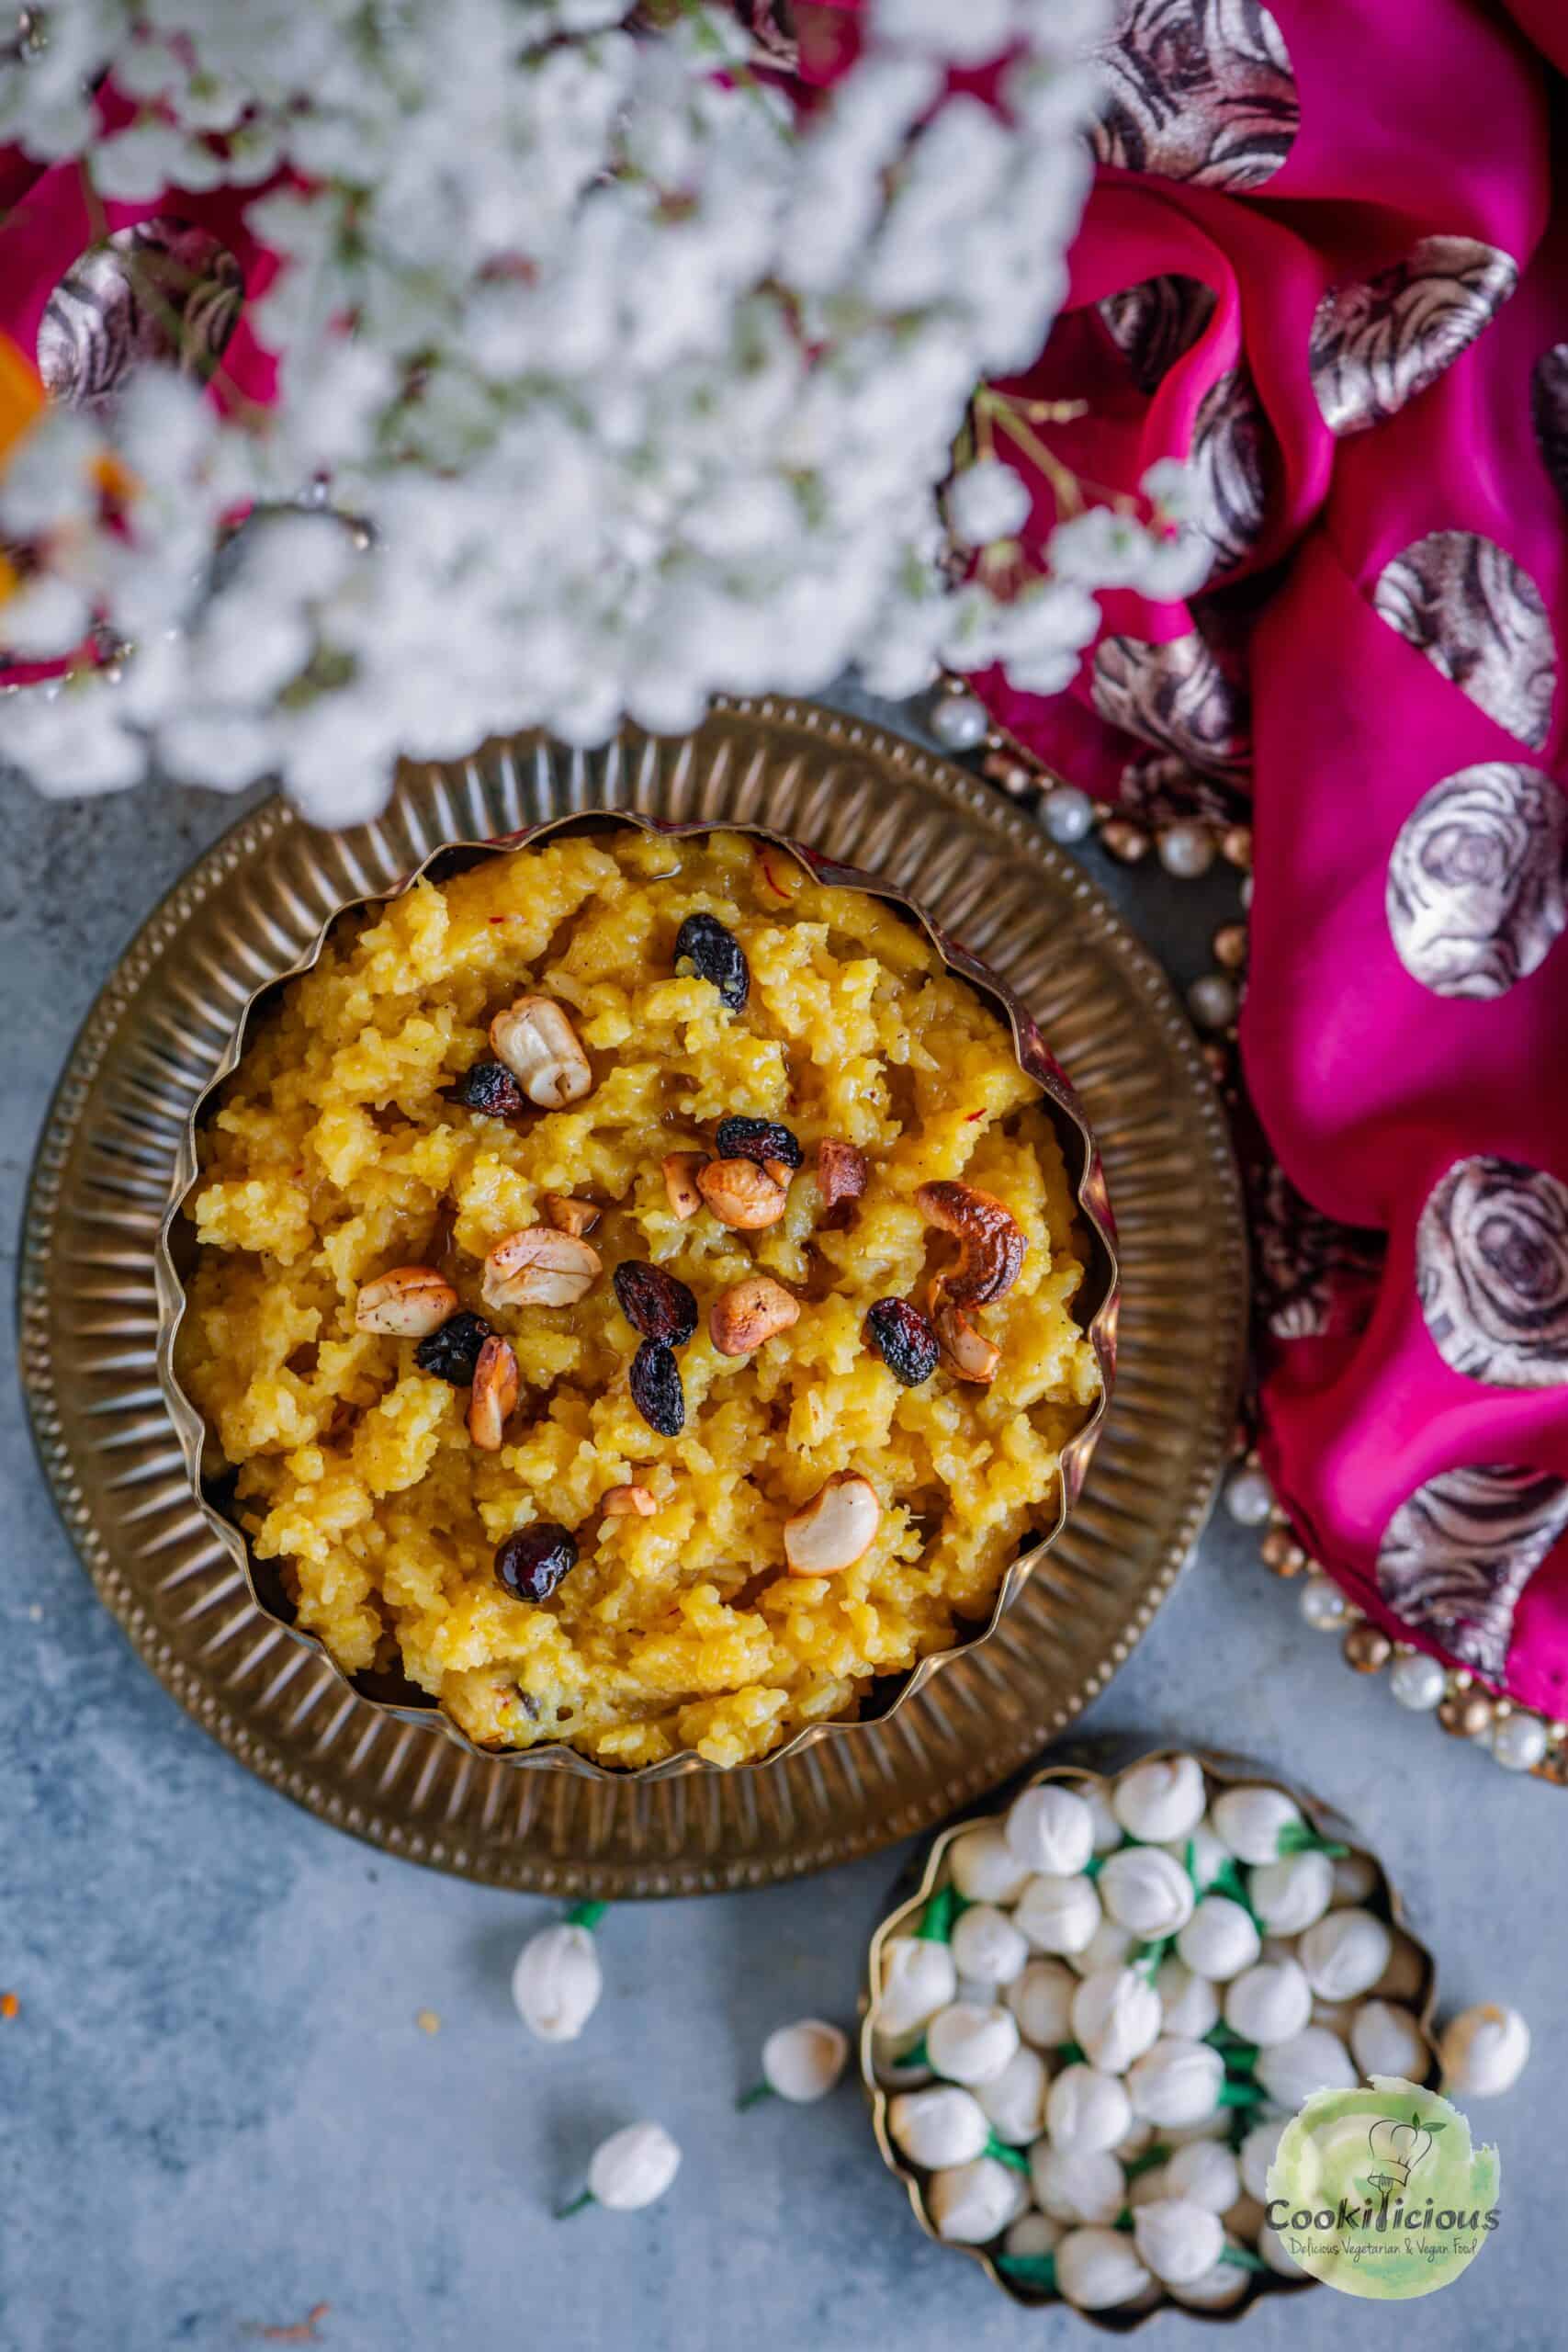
1235	845
1417	1681
1247	893
1212	1001
1066	813
1249	1498
1186	850
1519	1743
960	722
1323	1604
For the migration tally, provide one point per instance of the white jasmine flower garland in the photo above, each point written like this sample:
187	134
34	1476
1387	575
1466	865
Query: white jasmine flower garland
607	382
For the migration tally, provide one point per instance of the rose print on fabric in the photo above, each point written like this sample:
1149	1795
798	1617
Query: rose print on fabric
1478	617
1548	415
1199	90
1475	892
1314	1277
1374	346
1176	696
160	291
1231	453
1159	789
1492	1273
1156	323
1456	1557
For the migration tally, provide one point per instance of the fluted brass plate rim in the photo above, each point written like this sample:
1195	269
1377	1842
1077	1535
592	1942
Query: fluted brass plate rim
90	1310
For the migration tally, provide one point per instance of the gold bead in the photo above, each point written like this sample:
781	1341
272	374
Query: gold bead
1235	845
1367	1649
1230	946
1282	1552
1465	1712
1128	842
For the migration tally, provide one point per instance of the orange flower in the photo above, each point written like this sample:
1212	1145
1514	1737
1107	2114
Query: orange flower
21	397
22	394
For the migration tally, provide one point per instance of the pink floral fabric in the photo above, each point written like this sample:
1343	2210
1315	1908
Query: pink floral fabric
1342	290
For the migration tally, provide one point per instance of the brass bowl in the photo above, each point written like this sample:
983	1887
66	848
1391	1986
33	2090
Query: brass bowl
1096	1308
1412	1964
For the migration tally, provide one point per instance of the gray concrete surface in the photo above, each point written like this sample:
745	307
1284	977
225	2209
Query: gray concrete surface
217	2110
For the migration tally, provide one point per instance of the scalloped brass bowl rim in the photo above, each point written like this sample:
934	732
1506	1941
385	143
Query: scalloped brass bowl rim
1218	1765
1086	1177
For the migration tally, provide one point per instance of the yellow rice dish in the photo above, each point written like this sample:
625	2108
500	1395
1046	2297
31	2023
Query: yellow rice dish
517	1534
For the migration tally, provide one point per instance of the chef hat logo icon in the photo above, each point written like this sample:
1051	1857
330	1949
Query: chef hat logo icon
1399	2147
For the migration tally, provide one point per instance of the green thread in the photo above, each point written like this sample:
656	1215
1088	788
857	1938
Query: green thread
754	2097
1092	1869
1228	1880
917	2054
1006	2155
586	1915
1297	1838
1071	2054
565	2212
1238	2094
1124	2220
1241	2257
1030	2270
1234	2048
1151	2157
936	1920
1149	1956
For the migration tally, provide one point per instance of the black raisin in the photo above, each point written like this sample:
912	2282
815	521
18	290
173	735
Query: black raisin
714	954
758	1139
490	1087
655	1304
452	1352
531	1563
656	1390
903	1339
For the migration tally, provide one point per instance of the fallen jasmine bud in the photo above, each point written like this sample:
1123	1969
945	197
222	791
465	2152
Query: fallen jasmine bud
1220	1939
1162	1799
557	1982
630	2169
1386	2040
969	2043
1484	2051
800	2063
972	2203
1144	1891
1050	1829
938	2128
1344	1954
1097	2270
919	1977
1293	1894
1269	2003
1177	2239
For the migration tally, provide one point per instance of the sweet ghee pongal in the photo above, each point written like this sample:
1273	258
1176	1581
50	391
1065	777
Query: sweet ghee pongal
633	1289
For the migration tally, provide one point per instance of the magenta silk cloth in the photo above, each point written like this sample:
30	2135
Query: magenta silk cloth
1321	259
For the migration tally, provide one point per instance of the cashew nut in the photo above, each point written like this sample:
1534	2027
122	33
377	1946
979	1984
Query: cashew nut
991	1244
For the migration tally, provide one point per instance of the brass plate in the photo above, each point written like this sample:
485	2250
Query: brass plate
103	1179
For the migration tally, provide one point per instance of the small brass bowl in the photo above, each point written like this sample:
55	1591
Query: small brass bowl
1411	1979
1096	1307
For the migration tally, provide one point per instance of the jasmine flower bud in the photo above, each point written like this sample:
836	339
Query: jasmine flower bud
804	2061
1344	1954
1220	1939
1386	2040
557	1983
1014	2100
1177	2081
1058	1914
1177	2239
1147	1893
1086	2109
1288	1895
1206	2172
1314	2060
1191	2004
984	1869
973	2203
941	2126
1484	2051
1042	2001
1269	2004
1050	1829
1077	2185
1253	1821
987	1947
634	2167
1161	1799
919	1977
1097	2269
969	2043
1116	2016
